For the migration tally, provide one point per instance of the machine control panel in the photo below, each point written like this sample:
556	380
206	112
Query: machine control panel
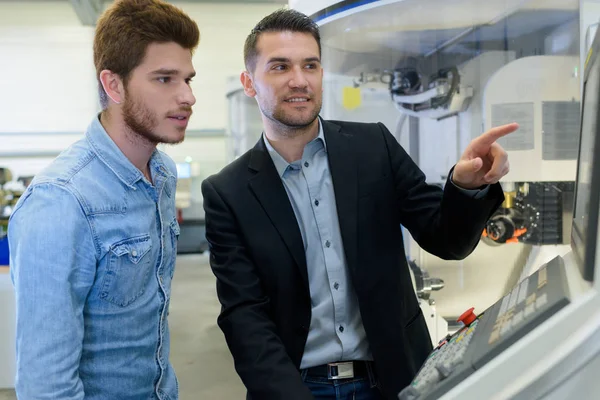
484	336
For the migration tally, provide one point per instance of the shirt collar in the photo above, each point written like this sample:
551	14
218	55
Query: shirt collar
281	165
108	151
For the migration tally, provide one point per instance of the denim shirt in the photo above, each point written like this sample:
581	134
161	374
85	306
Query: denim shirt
93	247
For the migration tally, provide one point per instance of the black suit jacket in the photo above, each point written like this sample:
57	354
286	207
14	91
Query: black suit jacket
257	255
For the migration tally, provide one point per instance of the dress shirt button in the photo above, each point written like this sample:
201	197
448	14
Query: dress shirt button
317	203
306	164
336	286
328	244
341	328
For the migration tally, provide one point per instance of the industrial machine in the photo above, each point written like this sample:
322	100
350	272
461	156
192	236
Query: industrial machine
538	341
438	74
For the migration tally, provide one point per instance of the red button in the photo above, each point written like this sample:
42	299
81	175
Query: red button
467	317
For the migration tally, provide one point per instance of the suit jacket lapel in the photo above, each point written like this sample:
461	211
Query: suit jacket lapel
268	189
343	164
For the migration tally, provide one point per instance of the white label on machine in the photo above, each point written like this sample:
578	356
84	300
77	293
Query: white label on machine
560	120
523	113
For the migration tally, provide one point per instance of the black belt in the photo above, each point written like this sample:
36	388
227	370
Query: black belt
340	370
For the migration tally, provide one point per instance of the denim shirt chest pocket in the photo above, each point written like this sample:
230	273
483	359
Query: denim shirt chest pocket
128	270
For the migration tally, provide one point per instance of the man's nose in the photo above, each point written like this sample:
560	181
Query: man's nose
186	97
298	79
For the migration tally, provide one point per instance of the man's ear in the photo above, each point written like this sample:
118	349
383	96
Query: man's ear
248	84
113	86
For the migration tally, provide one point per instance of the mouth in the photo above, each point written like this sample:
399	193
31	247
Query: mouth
297	100
180	119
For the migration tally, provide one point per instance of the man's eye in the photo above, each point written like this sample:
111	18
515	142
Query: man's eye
164	79
279	67
188	80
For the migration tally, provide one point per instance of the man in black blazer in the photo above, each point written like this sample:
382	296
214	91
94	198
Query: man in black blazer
305	237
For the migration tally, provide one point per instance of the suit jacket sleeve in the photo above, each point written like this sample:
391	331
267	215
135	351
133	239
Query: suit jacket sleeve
447	223
260	358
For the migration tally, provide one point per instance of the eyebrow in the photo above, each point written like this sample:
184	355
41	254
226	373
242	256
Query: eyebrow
170	72
286	60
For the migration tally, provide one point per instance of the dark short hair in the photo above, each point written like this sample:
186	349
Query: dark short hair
279	21
128	27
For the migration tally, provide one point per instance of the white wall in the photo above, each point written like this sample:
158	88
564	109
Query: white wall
45	82
49	91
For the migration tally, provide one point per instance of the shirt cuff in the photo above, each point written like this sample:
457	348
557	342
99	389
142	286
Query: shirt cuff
474	193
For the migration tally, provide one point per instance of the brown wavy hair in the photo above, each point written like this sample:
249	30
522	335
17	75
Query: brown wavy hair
128	27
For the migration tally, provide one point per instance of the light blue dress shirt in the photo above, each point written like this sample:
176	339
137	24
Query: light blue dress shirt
336	330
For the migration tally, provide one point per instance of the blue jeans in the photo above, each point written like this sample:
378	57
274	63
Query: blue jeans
347	389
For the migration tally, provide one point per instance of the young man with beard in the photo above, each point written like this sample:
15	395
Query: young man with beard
305	238
93	239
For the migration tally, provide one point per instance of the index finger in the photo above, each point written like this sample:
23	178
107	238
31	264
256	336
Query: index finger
496	133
